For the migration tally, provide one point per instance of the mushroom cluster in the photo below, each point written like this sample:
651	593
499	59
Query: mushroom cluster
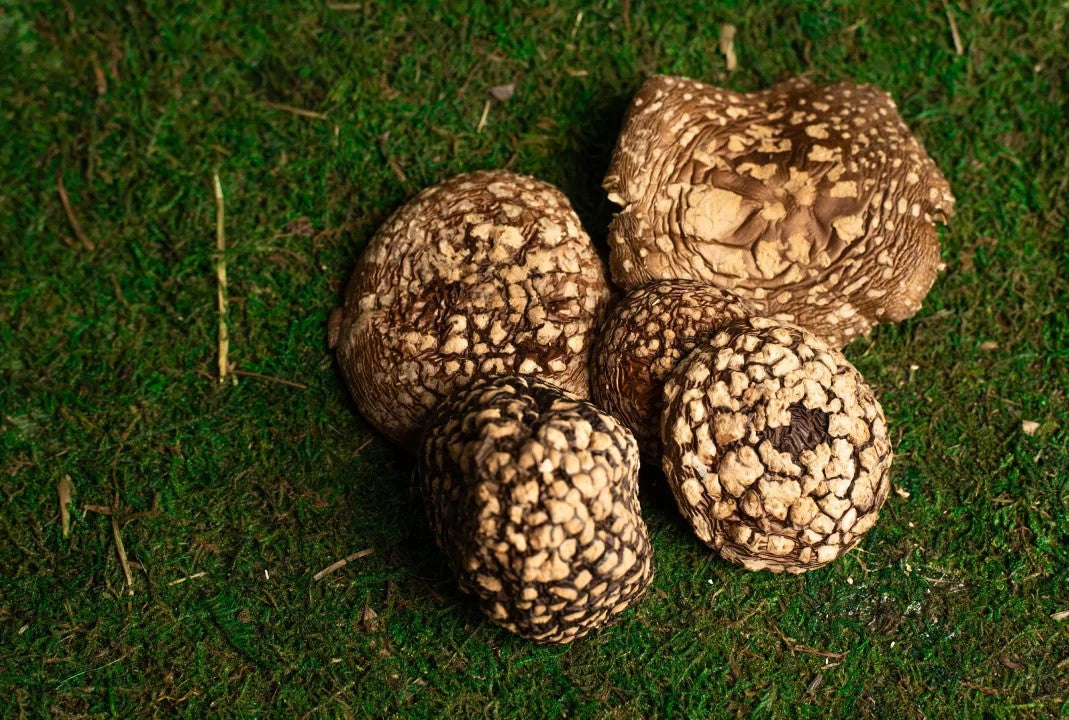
532	494
814	202
758	234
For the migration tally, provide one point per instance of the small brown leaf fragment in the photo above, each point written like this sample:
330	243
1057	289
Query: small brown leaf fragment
901	492
727	45
369	618
65	489
815	684
989	345
1060	615
1029	427
503	93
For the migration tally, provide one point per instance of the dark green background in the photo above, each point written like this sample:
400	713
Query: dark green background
107	361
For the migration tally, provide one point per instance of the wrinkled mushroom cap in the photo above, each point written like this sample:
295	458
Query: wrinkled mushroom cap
775	448
532	495
486	273
815	202
642	339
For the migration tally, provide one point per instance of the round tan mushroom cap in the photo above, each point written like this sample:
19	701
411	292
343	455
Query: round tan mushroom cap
775	448
486	273
642	339
815	202
532	494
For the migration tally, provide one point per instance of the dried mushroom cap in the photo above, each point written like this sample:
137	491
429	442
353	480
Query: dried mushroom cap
642	339
486	273
532	495
815	202
775	448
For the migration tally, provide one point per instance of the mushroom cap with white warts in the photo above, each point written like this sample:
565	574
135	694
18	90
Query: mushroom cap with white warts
814	202
483	274
532	493
775	447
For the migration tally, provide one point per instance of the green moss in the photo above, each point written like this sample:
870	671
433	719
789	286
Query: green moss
107	361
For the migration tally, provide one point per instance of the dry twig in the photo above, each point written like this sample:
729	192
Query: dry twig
120	549
959	49
71	217
220	274
181	580
339	564
980	688
294	110
485	115
794	647
394	165
65	489
270	378
727	45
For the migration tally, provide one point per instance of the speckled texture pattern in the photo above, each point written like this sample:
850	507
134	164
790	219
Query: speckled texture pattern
533	495
815	202
643	337
486	273
775	448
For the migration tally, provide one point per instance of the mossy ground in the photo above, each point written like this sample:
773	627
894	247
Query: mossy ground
107	364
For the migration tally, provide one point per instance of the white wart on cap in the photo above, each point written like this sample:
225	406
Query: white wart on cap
815	202
484	274
775	447
532	494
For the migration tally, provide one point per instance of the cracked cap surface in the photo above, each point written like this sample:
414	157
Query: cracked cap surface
532	494
775	448
815	202
486	273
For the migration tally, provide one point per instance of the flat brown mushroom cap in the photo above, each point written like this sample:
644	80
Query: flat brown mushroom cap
532	494
815	202
774	446
486	273
642	339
